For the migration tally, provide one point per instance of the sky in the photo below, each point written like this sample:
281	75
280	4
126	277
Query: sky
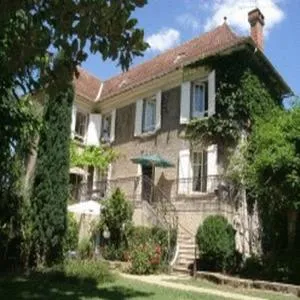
168	23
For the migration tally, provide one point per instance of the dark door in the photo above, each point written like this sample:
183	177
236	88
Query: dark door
147	186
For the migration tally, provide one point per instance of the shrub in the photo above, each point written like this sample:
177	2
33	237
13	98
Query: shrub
109	252
88	269
116	216
85	248
145	258
71	237
159	236
77	271
216	242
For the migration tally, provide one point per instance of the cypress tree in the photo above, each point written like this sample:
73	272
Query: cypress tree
51	181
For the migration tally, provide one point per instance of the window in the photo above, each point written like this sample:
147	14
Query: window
199	165
81	124
106	128
149	115
199	99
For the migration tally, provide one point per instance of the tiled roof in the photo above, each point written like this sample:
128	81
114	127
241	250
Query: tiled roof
87	85
205	45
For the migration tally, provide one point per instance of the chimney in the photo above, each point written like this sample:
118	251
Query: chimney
257	22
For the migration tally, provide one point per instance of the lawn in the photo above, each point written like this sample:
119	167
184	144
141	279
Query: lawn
248	292
38	287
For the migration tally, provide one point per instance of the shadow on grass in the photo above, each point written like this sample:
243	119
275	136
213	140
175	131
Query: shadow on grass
59	287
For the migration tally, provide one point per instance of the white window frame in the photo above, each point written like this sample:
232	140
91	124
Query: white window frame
203	169
77	135
150	128
107	139
194	113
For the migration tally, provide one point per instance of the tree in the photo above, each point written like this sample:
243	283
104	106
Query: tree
273	169
31	33
116	216
51	181
216	242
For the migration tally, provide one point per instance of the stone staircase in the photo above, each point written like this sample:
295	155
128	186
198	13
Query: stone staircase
186	252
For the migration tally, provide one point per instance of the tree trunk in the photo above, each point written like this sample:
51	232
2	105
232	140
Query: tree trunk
292	223
30	165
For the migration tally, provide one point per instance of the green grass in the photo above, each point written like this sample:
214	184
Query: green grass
248	292
43	287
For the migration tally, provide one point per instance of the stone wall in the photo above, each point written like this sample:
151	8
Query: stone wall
166	142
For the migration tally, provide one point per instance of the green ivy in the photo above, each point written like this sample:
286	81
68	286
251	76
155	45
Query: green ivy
241	95
96	156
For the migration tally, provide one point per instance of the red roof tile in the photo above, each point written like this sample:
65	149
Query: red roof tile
87	85
205	45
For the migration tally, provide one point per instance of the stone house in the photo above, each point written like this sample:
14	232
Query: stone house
143	113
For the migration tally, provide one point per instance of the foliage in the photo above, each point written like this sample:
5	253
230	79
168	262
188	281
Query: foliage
116	216
51	181
19	126
32	32
240	90
79	271
88	269
112	253
85	248
145	258
97	157
159	236
216	242
272	174
72	234
279	266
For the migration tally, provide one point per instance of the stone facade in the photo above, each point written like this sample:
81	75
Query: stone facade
166	142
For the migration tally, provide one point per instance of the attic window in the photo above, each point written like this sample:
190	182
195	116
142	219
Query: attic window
179	57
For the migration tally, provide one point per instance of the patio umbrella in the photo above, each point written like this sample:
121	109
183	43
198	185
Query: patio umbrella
154	160
86	208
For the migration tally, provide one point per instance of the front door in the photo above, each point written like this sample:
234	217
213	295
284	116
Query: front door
148	183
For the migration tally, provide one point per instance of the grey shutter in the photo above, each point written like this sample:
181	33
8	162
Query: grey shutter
212	93
138	118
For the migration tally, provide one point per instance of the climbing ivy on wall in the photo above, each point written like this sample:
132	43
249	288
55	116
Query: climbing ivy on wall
242	94
96	156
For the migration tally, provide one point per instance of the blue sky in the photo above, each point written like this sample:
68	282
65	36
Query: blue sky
168	23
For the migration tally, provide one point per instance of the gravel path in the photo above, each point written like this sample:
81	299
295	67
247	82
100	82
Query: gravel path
162	280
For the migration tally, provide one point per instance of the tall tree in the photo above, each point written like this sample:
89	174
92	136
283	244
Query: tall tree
31	32
51	181
273	173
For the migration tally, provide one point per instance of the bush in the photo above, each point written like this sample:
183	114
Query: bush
216	242
159	236
109	252
150	249
145	258
77	271
88	269
280	266
116	216
85	249
71	237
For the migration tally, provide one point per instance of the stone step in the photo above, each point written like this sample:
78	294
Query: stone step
181	270
187	256
187	246
185	263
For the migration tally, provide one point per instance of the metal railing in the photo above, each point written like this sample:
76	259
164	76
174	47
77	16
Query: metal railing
139	188
194	185
102	189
